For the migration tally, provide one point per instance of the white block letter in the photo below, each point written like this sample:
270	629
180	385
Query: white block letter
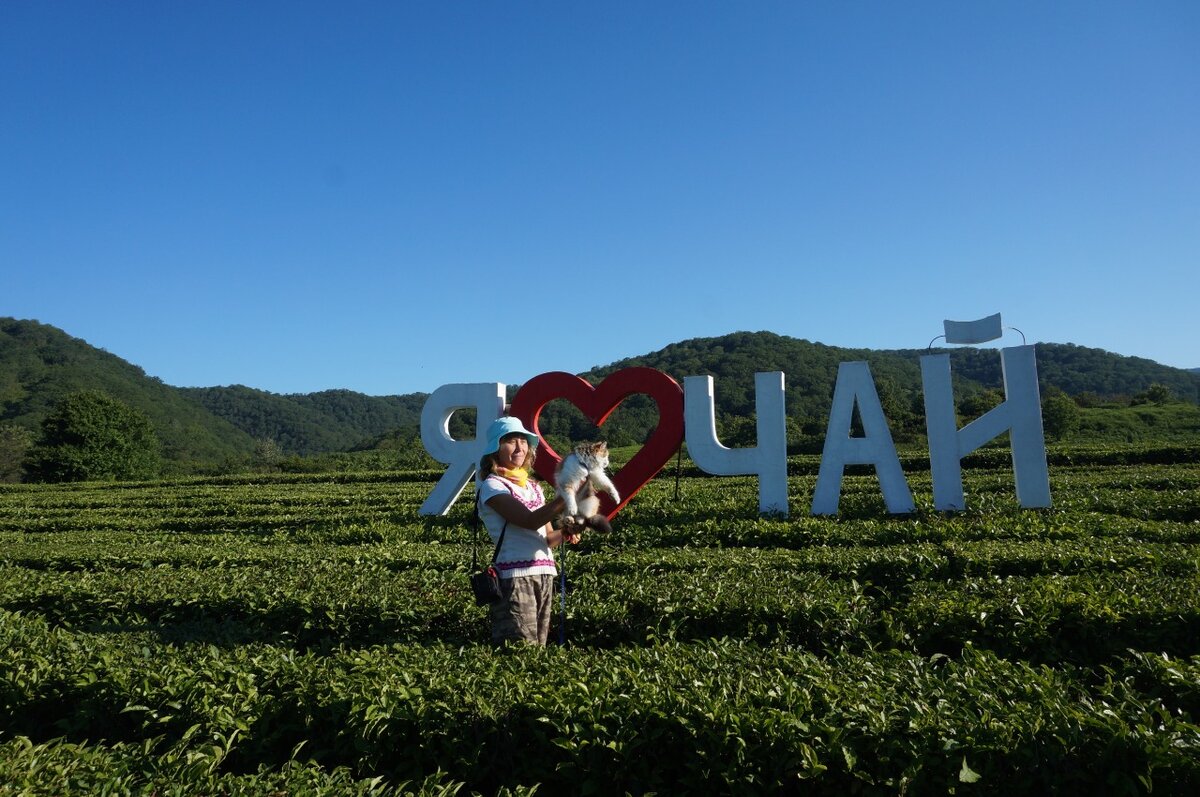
855	386
1020	414
767	460
462	456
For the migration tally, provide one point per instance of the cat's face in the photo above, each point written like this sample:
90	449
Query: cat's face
596	452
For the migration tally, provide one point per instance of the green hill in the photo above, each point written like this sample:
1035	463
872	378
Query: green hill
1078	370
311	423
811	370
40	364
202	427
198	427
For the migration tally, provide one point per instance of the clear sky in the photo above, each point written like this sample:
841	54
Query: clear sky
392	196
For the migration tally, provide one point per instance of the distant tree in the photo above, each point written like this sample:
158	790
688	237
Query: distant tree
462	424
267	453
15	442
739	431
975	404
1060	414
1157	393
905	423
91	435
794	432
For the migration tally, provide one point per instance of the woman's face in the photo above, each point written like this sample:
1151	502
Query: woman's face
513	451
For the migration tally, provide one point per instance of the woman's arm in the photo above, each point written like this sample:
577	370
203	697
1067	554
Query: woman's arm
515	512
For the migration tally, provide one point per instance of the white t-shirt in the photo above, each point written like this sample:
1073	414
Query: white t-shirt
525	552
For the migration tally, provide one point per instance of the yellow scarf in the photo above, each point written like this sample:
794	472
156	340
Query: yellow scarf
518	476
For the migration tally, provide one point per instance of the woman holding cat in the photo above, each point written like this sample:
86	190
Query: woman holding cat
511	503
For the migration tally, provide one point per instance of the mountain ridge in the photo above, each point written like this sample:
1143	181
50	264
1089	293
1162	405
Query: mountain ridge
40	363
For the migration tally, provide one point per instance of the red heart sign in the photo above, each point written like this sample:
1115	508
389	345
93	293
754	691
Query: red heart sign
597	403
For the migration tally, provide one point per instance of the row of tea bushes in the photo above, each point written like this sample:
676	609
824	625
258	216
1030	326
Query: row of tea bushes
312	634
1054	601
711	715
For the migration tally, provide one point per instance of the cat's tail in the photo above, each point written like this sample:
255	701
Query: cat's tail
599	523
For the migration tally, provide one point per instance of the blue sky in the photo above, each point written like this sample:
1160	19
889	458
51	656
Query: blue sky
388	197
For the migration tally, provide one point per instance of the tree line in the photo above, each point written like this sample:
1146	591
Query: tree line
223	429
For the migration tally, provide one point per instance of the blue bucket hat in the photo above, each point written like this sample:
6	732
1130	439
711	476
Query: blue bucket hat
502	427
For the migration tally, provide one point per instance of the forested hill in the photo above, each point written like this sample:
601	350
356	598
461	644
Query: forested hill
332	420
811	369
40	364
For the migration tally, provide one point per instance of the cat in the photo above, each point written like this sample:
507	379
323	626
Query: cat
578	478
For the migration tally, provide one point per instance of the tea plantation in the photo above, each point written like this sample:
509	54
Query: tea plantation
311	634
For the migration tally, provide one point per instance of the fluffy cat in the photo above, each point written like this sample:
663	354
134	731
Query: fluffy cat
578	478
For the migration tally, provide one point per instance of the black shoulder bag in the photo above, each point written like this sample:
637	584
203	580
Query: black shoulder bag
484	583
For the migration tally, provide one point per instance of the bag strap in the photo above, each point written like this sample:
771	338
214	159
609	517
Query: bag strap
475	537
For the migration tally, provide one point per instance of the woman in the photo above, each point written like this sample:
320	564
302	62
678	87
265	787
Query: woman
511	502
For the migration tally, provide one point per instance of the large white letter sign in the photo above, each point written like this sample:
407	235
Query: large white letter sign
767	460
1020	414
462	456
855	386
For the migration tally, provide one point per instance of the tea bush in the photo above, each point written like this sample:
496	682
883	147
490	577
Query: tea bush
311	634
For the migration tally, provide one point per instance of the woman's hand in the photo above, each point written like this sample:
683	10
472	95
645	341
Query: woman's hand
572	530
569	532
